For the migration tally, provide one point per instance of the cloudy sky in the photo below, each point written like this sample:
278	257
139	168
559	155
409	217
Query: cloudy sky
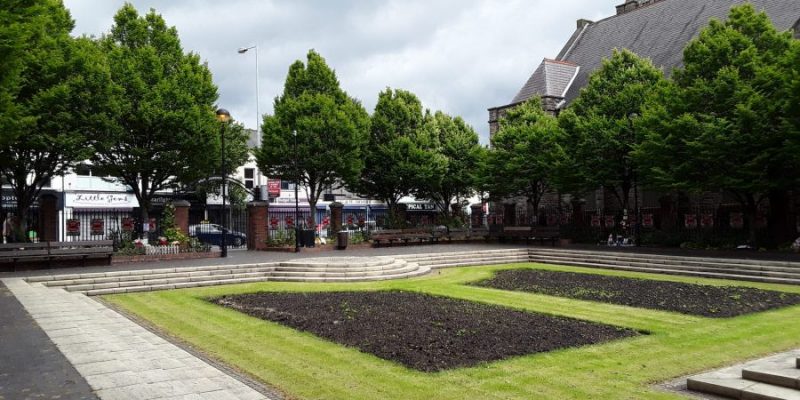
458	56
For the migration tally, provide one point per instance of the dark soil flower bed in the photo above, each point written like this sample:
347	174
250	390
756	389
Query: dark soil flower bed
703	300
423	332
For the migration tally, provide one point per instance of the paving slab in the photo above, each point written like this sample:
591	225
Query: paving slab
729	382
31	366
114	357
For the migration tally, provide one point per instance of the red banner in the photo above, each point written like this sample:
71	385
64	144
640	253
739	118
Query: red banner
647	220
274	222
737	220
707	220
127	224
98	226
690	221
609	221
361	221
274	188
73	227
350	219
552	220
595	221
326	221
289	222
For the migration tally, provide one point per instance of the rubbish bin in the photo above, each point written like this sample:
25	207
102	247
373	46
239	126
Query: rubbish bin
307	238
341	240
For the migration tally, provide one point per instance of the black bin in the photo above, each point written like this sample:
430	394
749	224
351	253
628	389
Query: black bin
341	240
307	238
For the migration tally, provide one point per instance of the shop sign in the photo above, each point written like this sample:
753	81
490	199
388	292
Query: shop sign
101	200
274	187
420	207
73	227
98	226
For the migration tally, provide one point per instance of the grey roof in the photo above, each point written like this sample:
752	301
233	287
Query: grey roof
659	31
551	79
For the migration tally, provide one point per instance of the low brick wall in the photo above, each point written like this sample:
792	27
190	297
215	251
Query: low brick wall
162	257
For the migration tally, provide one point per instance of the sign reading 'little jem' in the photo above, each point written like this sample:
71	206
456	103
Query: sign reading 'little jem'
101	200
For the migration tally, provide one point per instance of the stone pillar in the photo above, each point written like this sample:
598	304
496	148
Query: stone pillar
477	215
509	214
577	211
182	215
48	219
257	225
336	216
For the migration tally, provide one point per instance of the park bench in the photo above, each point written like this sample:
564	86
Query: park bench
403	235
457	234
549	233
47	252
439	233
517	232
483	233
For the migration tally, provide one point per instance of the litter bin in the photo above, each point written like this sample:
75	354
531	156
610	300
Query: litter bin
307	238
341	240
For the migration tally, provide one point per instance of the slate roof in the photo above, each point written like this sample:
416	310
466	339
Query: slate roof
659	31
552	78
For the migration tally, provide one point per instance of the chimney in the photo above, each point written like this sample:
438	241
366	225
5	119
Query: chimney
583	22
627	7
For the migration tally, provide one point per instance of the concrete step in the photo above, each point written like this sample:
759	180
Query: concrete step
440	256
670	271
169	275
785	374
403	268
670	258
474	263
171	281
418	272
148	288
744	389
645	264
474	260
321	268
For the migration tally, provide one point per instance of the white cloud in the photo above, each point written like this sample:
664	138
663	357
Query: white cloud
458	56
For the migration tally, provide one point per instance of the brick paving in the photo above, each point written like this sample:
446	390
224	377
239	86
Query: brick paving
118	358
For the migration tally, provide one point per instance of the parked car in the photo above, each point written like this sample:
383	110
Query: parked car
212	234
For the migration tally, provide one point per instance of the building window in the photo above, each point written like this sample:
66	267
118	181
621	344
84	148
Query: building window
249	173
83	170
285	185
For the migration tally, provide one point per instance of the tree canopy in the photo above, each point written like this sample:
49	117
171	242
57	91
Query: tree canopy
525	154
601	122
164	131
317	133
58	103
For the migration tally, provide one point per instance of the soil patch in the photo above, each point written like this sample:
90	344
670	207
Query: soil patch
423	332
703	300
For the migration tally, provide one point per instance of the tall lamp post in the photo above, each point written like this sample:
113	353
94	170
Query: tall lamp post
243	50
636	228
296	201
223	116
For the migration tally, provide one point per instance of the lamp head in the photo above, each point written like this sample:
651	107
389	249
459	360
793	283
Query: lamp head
223	115
242	50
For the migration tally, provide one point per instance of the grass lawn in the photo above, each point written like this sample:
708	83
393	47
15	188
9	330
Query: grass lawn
304	366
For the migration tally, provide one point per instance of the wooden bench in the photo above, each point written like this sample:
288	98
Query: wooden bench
517	232
17	253
549	233
405	235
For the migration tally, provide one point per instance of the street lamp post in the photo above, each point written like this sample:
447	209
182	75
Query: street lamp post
636	227
223	116
296	201
243	50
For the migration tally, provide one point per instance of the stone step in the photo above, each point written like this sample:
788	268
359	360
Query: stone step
418	272
171	281
784	374
738	388
439	256
671	262
320	268
148	288
760	273
729	261
474	263
669	271
474	260
169	275
410	267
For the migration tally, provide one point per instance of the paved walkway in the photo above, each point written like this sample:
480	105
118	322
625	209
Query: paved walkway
118	358
31	367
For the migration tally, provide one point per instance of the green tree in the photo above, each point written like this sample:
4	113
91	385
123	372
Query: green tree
722	123
59	104
317	133
396	157
457	156
165	132
525	154
601	124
